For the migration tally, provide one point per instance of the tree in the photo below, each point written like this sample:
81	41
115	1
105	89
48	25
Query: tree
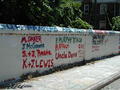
79	23
116	23
65	13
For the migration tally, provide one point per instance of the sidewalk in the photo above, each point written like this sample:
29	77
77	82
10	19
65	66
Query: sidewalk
113	86
77	78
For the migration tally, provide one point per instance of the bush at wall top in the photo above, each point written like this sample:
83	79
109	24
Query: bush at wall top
116	23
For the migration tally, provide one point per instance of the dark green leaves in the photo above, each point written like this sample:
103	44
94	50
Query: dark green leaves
116	23
65	13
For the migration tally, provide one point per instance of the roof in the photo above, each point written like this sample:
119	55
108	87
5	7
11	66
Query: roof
100	1
106	1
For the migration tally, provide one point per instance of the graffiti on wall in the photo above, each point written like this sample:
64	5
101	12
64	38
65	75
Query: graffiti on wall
97	41
81	50
95	48
69	40
65	47
33	53
119	44
32	42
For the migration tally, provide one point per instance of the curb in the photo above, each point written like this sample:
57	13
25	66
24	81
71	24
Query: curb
101	84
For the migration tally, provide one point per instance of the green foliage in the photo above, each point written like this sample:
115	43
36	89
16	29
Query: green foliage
116	23
79	23
64	13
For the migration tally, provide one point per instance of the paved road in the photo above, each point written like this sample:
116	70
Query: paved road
77	78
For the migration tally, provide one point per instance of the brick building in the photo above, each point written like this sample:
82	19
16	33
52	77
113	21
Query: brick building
100	12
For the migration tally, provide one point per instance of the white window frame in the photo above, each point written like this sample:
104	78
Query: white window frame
86	8
119	9
103	8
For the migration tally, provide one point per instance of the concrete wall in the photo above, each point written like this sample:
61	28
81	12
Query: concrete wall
26	49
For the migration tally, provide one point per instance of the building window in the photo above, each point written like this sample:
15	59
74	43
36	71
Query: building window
86	8
102	24
103	8
119	10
